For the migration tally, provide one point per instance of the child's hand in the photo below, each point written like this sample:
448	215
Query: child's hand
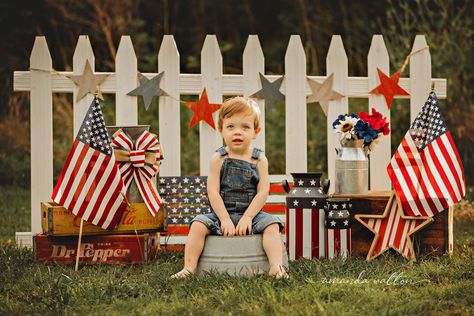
227	227
244	226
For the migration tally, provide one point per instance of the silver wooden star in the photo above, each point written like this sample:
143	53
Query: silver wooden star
270	91
148	88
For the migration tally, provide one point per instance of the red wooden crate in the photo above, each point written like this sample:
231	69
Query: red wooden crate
100	249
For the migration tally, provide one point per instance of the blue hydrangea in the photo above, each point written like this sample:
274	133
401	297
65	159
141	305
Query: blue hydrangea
364	131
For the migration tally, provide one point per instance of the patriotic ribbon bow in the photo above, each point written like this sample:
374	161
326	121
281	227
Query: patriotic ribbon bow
139	160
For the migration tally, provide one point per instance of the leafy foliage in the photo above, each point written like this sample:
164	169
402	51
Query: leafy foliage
446	24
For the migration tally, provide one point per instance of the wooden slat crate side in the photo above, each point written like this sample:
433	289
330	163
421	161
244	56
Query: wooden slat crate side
434	239
58	221
97	249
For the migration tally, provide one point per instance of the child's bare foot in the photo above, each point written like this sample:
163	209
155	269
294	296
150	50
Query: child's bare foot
279	272
182	274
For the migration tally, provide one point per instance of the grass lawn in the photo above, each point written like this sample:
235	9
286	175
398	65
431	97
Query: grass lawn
389	285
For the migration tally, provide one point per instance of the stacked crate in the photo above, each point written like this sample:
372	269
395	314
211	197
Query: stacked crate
135	240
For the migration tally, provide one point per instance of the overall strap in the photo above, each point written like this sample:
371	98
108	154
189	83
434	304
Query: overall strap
222	151
256	153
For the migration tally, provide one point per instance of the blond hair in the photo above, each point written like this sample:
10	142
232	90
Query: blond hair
239	105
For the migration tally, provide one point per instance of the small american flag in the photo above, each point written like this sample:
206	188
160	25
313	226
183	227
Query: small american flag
426	170
90	185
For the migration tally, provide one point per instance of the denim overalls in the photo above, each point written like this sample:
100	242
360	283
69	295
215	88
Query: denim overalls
238	187
238	181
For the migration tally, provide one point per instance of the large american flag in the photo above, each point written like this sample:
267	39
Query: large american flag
426	170
90	185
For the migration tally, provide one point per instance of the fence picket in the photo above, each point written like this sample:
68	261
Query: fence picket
82	53
125	81
420	76
336	63
295	106
41	129
380	157
169	107
253	64
211	69
42	84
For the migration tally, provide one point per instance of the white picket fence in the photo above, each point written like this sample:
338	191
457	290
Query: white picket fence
42	83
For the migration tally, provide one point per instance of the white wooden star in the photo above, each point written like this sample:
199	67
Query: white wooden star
88	82
323	93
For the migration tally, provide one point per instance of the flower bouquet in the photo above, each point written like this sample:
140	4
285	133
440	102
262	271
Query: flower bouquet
365	129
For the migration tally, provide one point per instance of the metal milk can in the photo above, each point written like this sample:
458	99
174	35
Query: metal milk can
307	192
352	169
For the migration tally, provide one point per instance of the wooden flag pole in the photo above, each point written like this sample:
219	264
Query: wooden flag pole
97	92
79	245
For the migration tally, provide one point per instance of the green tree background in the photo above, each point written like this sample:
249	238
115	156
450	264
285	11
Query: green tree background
447	26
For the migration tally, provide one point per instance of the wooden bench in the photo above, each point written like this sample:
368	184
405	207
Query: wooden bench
186	196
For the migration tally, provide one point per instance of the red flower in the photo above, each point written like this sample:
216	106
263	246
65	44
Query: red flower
376	121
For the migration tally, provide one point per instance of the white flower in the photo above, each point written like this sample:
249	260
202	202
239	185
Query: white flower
345	130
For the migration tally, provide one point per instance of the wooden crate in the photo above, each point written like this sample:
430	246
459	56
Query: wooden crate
434	239
98	249
58	221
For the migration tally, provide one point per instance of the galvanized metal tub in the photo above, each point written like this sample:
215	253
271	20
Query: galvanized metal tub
236	255
352	169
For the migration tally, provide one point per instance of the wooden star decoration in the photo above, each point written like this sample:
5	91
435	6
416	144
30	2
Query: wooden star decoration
270	91
148	88
393	229
389	87
202	110
88	82
323	93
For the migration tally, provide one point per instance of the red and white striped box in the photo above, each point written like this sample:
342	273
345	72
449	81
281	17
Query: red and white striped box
305	233
307	237
338	231
338	243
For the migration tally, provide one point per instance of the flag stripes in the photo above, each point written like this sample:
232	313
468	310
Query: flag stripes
84	190
90	185
429	181
426	170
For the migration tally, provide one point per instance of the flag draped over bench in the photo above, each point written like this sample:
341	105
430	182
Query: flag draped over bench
186	197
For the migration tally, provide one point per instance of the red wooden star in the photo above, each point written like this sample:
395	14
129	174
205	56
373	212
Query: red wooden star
202	110
389	87
393	229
